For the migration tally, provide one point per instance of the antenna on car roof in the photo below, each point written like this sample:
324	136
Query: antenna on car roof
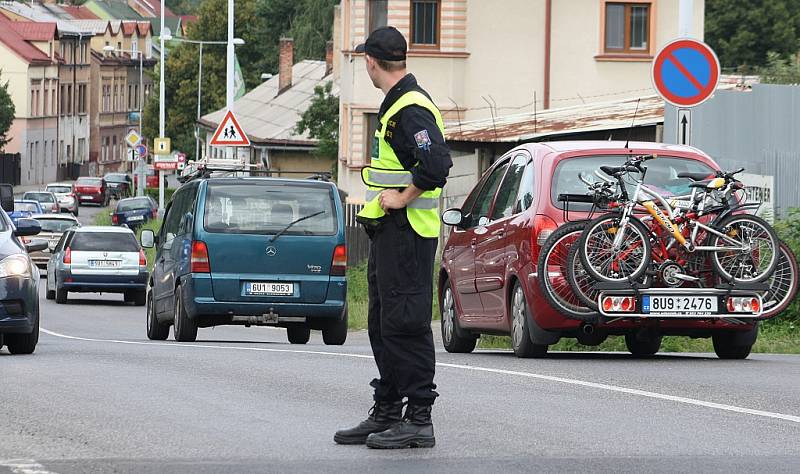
630	130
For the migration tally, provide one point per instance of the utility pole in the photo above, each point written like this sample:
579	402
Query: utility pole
685	17
161	110
229	70
199	90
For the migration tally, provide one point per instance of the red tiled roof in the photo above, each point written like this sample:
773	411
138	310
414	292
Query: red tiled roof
140	27
79	12
34	30
128	28
186	19
14	41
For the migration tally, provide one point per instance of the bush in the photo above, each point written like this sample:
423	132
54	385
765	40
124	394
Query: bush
153	193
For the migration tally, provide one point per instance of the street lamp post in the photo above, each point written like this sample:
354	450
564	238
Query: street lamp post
110	49
200	43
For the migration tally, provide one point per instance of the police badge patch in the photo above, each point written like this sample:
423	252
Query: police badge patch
423	140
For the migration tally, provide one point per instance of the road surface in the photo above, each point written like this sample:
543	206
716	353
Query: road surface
97	396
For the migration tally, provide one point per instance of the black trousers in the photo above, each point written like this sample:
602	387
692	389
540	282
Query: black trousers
400	278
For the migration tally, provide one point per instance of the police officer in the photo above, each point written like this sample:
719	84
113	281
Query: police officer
410	164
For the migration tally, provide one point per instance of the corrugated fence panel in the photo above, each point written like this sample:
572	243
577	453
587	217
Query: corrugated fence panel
758	130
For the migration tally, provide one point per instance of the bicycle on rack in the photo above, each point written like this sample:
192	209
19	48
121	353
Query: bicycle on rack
619	246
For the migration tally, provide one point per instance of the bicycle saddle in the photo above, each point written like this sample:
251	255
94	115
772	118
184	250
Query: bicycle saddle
714	183
694	176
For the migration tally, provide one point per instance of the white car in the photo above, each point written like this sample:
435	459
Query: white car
65	192
53	227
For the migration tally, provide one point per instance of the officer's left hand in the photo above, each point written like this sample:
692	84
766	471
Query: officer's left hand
391	199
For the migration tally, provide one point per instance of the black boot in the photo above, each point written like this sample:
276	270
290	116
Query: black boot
382	415
415	431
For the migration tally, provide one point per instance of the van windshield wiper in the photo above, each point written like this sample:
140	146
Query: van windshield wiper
293	223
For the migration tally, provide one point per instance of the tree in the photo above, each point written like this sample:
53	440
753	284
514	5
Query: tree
321	119
743	33
779	70
7	112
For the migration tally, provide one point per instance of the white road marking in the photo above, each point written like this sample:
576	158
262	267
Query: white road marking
24	466
515	373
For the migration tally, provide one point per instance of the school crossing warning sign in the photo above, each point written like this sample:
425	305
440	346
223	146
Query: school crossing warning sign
229	133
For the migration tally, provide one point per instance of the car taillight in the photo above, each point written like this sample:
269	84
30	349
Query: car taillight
619	304
543	227
339	263
200	261
114	219
142	258
154	213
55	207
68	256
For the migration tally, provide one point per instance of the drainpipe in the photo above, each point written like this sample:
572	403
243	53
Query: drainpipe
74	104
548	14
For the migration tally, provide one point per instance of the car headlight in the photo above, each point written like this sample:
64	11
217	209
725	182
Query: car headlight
15	265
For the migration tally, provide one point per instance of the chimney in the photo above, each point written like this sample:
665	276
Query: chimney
285	63
328	57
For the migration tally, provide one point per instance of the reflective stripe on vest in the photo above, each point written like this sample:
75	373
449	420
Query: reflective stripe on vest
388	172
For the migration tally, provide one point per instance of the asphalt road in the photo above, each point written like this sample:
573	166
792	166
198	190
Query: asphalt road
97	396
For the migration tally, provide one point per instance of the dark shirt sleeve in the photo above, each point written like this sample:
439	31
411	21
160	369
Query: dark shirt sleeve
420	147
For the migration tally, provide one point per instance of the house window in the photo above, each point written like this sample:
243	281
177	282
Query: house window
82	98
54	101
114	147
425	23
69	99
135	48
116	91
45	102
627	27
378	14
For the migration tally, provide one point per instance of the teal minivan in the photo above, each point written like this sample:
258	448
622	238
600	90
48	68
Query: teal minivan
250	251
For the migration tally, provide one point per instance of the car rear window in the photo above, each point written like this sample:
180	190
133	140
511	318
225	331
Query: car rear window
41	197
59	189
56	225
662	174
26	206
116	178
131	204
268	208
88	182
104	241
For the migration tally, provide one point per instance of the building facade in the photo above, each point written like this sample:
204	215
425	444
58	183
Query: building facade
479	61
74	94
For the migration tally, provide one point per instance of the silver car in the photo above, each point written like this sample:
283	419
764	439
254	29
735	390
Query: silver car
53	227
97	259
46	199
65	193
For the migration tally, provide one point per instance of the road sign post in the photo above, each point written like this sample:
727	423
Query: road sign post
686	72
684	127
161	148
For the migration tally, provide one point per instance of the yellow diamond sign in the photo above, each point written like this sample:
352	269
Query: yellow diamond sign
133	138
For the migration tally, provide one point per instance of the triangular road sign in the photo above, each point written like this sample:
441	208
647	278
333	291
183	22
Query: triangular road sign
229	133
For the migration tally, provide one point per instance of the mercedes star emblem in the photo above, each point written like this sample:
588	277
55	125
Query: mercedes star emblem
271	251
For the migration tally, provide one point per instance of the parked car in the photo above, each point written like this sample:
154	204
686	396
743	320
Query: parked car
95	259
24	208
120	185
92	191
488	277
134	212
151	180
250	251
47	200
19	282
53	227
65	193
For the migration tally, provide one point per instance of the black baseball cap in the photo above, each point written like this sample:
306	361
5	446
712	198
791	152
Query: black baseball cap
385	43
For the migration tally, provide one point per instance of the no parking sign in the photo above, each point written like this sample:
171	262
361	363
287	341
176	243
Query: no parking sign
686	72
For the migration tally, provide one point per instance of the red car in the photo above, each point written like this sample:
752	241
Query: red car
92	191
488	281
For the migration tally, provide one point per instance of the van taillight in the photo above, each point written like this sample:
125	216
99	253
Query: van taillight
339	263
200	261
142	258
68	256
543	227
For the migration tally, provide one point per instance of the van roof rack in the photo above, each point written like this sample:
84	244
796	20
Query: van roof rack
208	168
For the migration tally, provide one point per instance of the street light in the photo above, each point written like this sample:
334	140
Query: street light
111	49
169	37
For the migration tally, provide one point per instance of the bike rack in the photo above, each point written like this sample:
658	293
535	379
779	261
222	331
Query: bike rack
722	292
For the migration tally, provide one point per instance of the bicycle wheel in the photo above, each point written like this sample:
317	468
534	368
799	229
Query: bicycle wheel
751	266
782	284
552	268
579	280
605	264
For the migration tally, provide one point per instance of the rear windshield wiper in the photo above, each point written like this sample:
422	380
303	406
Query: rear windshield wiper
293	223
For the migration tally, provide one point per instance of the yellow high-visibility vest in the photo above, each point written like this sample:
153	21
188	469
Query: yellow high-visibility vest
387	172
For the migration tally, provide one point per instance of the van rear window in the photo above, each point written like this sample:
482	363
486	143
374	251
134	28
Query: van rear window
253	208
662	174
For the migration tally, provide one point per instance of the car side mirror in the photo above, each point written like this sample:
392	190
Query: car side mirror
7	197
148	239
26	227
453	217
37	245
